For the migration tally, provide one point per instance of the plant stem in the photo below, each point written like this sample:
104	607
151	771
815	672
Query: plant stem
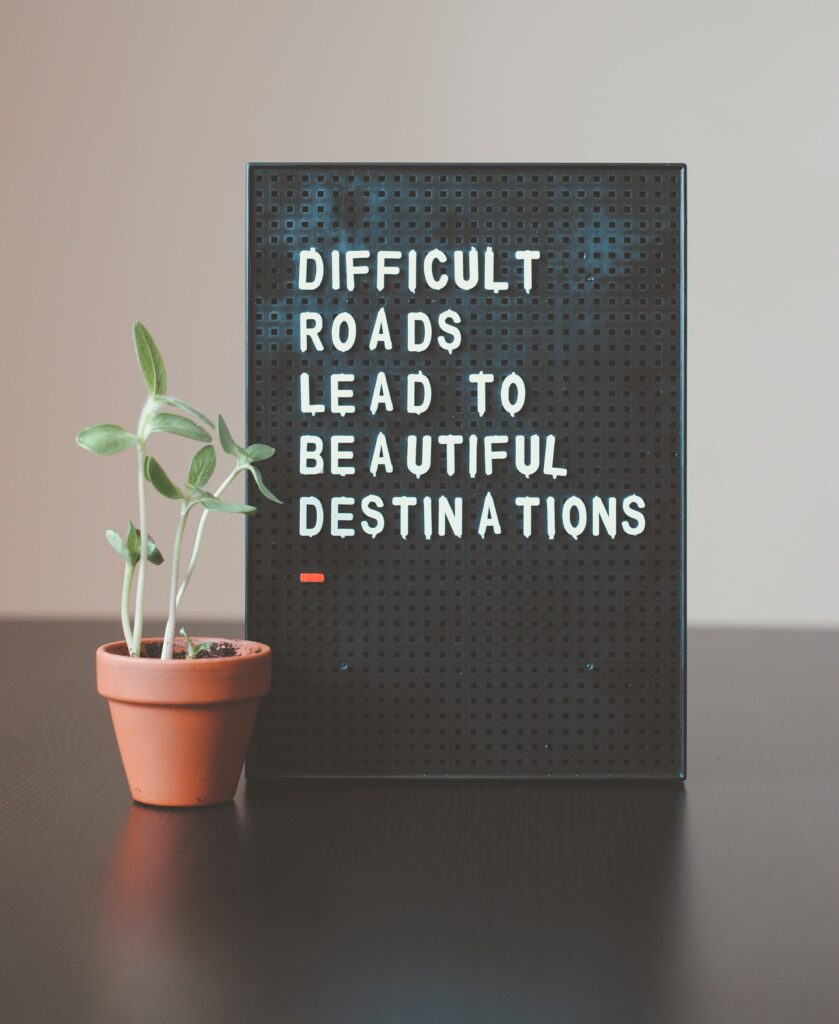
169	635
127	578
140	593
134	649
199	535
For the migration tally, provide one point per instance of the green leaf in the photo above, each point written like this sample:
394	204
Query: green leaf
156	475
130	547
105	439
226	440
259	452
116	542
150	360
202	466
260	483
185	407
215	505
153	553
171	423
195	495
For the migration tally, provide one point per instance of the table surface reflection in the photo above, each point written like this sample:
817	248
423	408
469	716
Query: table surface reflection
429	902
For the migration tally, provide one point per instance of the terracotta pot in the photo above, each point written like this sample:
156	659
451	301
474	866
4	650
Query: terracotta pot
183	725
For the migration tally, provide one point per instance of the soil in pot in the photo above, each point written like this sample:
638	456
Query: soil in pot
218	649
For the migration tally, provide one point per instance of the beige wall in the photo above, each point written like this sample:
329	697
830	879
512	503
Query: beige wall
125	132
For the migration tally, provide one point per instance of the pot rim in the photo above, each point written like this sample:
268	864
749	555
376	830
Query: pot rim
246	676
251	649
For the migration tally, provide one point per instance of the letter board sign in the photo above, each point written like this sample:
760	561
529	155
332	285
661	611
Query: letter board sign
474	378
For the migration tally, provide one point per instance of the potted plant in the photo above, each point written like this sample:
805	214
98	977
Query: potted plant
183	707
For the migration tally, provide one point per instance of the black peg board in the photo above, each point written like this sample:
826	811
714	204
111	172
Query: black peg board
501	657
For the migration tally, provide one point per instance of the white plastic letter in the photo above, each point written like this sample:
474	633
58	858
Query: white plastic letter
574	526
413	344
311	455
340	451
472	442
492	452
344	340
381	394
527	504
339	517
606	514
403	502
354	271
381	331
467	283
490	283
381	455
306	397
370	507
305	529
449	517
307	257
432	280
481	379
418	466
427	517
512	406
527	466
446	323
631	506
412	270
527	256
449	441
383	257
413	405
311	324
550	517
489	517
549	468
338	395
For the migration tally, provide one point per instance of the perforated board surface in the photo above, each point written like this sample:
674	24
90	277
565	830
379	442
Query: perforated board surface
501	655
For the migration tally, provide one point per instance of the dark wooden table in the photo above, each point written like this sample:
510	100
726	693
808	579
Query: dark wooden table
383	903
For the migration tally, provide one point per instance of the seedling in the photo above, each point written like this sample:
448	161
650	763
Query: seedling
193	650
137	548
